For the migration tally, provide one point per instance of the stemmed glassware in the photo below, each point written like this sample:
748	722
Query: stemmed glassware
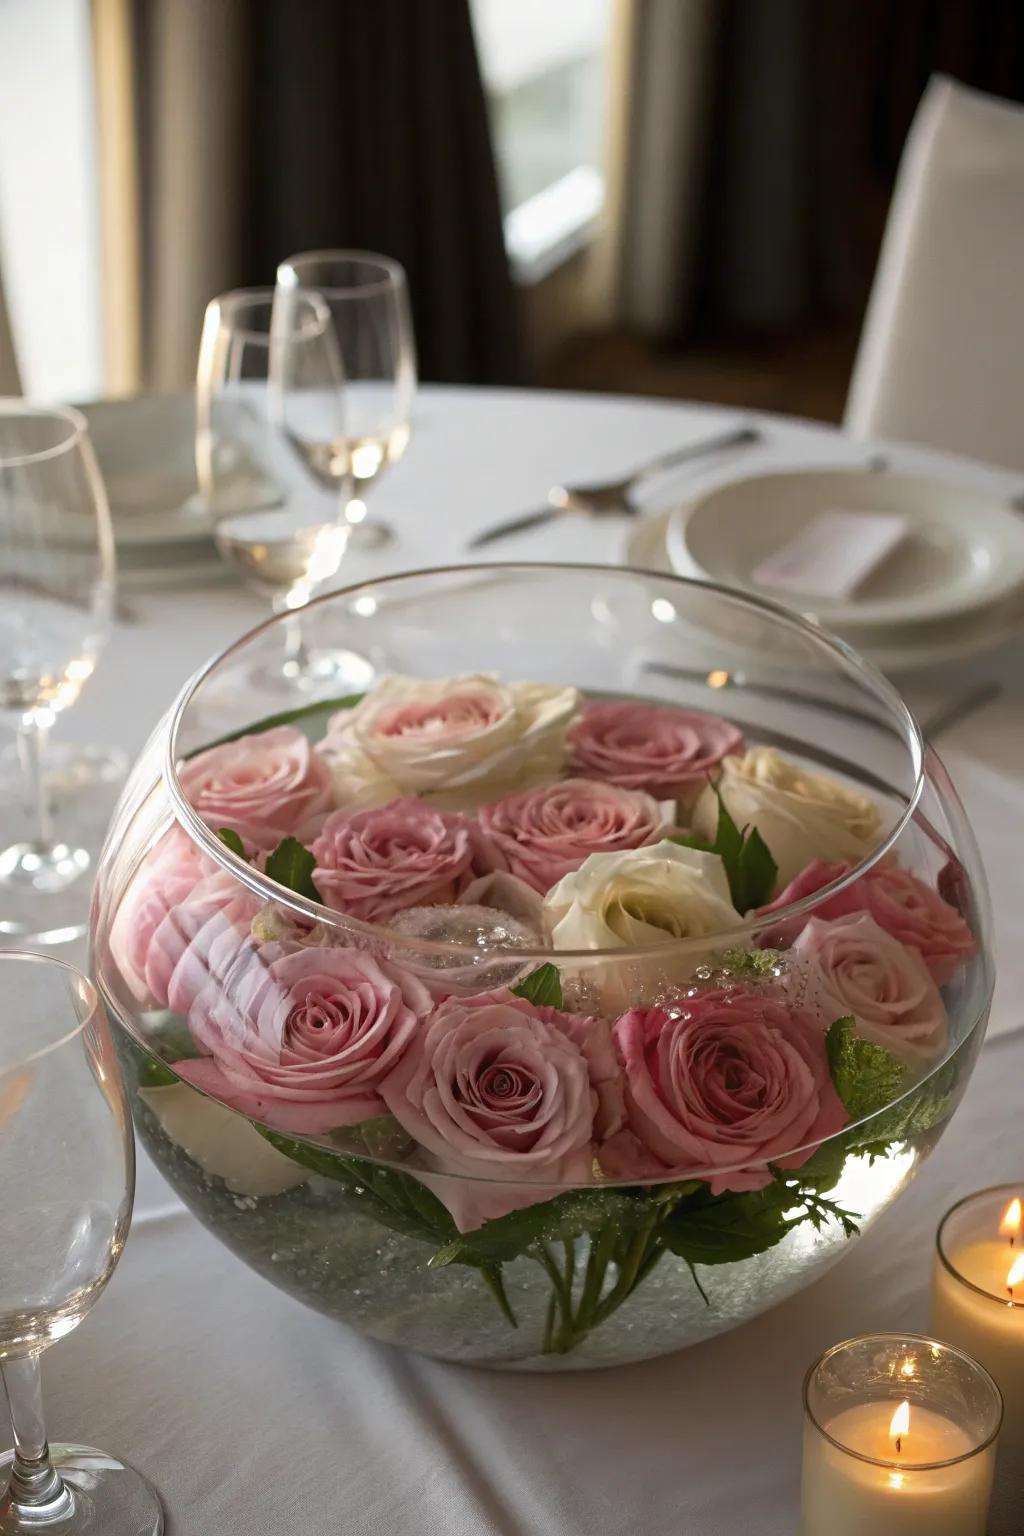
269	392
57	588
368	299
67	1178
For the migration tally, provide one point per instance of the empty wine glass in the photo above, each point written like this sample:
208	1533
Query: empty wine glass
67	1177
57	587
267	392
368	299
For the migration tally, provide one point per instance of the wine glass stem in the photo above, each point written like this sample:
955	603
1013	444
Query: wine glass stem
34	1482
296	656
31	744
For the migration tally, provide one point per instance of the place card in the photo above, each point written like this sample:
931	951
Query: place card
833	554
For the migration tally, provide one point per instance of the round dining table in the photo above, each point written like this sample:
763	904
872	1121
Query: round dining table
257	1417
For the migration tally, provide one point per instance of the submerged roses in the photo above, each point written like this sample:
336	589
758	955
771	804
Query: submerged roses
457	742
264	787
669	753
543	834
302	1040
800	815
913	912
735	1081
373	863
494	1085
853	967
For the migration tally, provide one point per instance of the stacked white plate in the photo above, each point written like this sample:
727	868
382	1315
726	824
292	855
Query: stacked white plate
953	586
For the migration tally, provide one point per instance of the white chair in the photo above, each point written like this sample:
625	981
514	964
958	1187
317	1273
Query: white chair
941	356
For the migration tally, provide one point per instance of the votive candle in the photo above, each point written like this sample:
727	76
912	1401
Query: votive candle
978	1291
899	1440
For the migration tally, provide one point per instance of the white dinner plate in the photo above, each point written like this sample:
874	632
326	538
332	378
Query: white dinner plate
963	551
908	648
146	452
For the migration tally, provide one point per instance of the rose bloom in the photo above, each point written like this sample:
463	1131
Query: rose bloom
853	967
495	1089
800	815
545	833
735	1081
652	896
913	912
264	787
669	753
167	875
457	742
301	1040
406	853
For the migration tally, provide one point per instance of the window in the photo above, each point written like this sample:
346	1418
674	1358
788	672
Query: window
544	68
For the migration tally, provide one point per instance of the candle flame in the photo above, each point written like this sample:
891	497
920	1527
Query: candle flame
900	1423
1011	1223
895	1479
1016	1275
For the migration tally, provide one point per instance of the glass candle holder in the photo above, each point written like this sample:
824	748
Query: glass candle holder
899	1440
978	1291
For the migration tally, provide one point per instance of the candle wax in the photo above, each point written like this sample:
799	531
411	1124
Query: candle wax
986	1327
844	1496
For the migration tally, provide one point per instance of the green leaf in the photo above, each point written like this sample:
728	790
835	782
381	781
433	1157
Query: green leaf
292	866
866	1076
230	838
397	1200
543	987
749	867
566	1216
757	872
752	964
286	717
725	1229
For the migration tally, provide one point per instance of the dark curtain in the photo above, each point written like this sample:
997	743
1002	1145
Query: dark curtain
368	128
269	127
810	105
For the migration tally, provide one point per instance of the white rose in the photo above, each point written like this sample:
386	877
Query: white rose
645	896
802	816
456	742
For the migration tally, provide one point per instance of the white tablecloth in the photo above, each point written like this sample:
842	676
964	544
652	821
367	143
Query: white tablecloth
255	1416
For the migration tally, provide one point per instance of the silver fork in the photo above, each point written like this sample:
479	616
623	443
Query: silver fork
616	496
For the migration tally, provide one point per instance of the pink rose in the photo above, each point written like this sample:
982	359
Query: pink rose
166	877
264	787
733	1082
543	834
851	966
899	902
667	752
199	938
374	863
301	1040
495	1089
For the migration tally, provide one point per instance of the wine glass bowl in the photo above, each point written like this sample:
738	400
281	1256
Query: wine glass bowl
367	296
57	585
67	1178
269	391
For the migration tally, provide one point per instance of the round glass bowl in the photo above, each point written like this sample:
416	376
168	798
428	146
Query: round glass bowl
667	1127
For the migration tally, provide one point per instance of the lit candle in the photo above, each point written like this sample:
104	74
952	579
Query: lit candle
978	1292
899	1440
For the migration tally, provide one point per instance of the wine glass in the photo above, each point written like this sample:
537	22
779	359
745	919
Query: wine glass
67	1177
368	299
57	587
269	392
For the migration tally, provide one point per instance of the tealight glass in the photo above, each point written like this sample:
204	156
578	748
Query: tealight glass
899	1436
979	1246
